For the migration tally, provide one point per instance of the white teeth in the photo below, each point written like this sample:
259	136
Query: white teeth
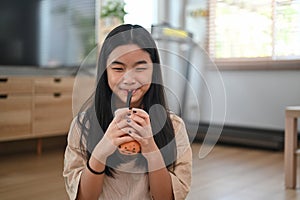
129	90
132	90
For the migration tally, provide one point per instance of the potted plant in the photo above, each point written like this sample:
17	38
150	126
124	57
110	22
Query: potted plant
113	10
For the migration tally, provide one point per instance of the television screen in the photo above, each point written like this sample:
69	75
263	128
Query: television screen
46	33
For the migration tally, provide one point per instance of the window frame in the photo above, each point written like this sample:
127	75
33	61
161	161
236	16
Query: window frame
258	63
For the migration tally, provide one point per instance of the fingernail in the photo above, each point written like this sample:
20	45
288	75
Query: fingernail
128	120
134	111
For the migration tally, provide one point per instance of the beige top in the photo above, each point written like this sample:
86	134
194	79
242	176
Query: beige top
124	185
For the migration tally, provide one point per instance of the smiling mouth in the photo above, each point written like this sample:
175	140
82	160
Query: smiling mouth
133	91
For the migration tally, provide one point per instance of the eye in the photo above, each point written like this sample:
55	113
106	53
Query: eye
141	68
117	66
118	69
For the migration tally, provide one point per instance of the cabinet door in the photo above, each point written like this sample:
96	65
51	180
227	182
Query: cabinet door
52	114
15	116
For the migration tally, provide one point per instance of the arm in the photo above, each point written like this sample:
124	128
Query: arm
160	181
78	179
159	177
180	175
88	181
173	183
80	182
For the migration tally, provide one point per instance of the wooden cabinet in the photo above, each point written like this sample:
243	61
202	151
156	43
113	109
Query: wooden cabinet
15	107
35	107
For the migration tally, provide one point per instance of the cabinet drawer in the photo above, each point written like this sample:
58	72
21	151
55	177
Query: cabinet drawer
52	114
16	85
15	117
48	85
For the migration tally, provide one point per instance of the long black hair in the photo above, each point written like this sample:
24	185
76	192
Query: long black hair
99	115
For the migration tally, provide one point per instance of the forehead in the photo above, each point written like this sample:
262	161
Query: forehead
129	50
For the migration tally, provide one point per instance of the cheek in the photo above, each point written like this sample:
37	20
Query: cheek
113	81
145	79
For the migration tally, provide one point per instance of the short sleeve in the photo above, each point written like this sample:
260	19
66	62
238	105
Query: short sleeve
74	161
181	174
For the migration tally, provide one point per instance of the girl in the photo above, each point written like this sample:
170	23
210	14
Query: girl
157	163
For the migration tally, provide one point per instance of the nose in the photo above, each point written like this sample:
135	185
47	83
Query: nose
129	78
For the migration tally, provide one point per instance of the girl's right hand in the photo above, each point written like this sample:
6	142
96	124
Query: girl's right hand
114	136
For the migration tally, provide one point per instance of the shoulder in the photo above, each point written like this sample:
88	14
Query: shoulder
181	133
77	121
177	122
75	130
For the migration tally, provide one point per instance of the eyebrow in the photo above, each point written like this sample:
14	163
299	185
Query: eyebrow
117	63
140	62
135	64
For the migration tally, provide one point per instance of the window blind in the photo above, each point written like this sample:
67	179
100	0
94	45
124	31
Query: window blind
247	31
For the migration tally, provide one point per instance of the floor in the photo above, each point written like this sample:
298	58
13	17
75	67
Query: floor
235	173
227	173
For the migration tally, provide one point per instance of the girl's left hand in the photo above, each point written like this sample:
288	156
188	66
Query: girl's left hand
142	132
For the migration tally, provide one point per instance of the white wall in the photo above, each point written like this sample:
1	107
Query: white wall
255	98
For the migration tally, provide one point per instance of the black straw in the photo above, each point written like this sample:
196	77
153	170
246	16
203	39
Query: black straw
128	98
